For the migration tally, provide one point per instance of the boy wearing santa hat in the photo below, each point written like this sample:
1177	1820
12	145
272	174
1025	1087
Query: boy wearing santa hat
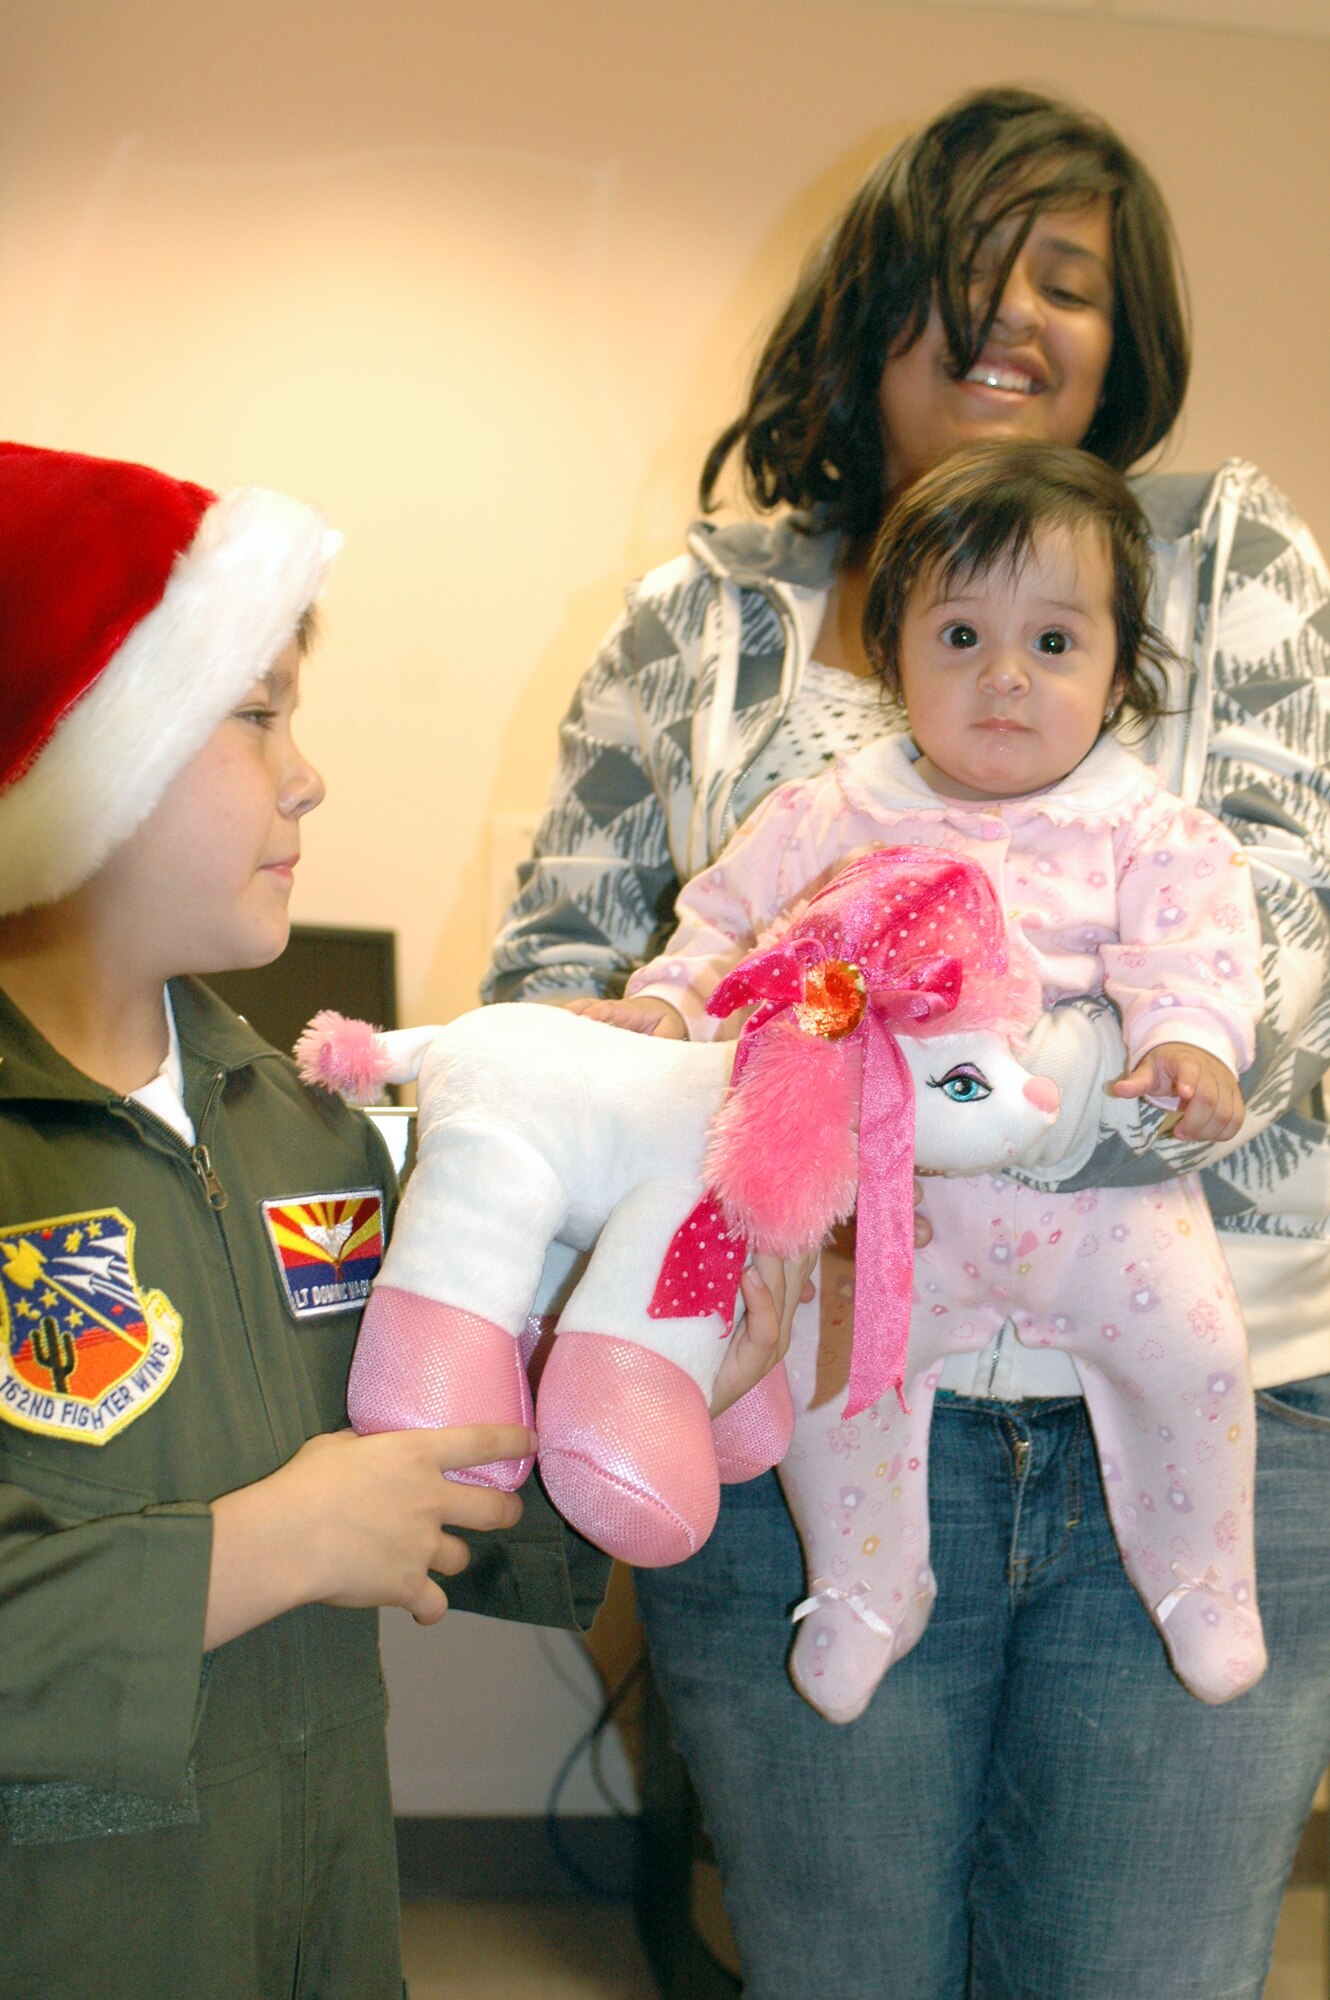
193	1784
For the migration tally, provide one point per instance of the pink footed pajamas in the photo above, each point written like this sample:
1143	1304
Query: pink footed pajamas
1111	884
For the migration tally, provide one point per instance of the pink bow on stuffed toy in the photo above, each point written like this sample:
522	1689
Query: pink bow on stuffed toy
901	939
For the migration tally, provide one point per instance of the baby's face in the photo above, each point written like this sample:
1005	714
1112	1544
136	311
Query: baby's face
1008	683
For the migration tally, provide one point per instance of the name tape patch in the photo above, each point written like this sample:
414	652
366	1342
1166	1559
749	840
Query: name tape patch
84	1350
328	1248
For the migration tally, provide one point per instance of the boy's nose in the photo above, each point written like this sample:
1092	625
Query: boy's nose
303	790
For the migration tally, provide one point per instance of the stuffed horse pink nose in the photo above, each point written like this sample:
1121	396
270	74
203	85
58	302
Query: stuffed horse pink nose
1043	1094
538	1127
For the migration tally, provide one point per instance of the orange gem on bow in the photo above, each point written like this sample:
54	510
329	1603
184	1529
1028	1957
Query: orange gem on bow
835	995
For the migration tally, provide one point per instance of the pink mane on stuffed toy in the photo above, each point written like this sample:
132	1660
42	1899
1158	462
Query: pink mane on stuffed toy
820	1115
907	938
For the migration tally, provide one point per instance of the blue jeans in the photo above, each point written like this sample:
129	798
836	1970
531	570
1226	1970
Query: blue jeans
1032	1808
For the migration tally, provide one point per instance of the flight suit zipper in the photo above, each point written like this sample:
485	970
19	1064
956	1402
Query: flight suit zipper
198	1155
201	1160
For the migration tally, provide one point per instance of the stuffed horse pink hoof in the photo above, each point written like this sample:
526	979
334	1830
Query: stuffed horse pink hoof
625	1449
754	1433
420	1365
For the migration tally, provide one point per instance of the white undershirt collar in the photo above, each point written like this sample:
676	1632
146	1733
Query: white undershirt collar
164	1094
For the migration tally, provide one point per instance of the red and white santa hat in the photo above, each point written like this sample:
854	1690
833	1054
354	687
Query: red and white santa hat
135	611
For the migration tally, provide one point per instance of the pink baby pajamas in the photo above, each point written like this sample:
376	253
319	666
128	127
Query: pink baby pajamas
1132	1284
1110	884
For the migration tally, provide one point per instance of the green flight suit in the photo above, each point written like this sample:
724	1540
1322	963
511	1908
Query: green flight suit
204	1828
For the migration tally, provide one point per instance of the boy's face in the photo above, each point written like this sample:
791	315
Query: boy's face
205	883
1007	682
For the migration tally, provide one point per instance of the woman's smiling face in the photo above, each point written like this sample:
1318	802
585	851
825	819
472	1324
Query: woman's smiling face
1040	372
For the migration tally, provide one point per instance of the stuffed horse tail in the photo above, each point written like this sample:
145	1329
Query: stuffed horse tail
357	1060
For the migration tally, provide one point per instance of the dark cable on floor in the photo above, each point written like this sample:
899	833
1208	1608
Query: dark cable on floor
589	1743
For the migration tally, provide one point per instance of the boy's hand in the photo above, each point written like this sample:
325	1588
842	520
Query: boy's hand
1209	1101
772	1289
356	1521
378	1506
644	1016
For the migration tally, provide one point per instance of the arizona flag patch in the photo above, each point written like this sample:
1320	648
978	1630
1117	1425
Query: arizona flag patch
83	1350
328	1248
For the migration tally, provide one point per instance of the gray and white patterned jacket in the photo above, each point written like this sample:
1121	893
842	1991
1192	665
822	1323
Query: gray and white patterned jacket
695	678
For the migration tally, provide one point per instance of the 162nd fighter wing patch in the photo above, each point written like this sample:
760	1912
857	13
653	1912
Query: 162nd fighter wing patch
83	1349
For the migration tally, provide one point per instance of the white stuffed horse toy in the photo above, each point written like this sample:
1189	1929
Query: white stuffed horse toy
537	1127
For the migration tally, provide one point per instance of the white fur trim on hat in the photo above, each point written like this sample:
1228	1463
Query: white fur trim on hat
231	605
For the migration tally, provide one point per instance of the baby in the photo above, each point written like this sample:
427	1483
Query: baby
1007	615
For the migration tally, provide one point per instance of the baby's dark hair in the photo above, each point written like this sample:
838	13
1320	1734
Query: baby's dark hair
982	508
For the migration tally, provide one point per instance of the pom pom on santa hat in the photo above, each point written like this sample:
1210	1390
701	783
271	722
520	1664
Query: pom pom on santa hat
135	611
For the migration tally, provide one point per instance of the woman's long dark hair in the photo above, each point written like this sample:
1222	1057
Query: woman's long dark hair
811	433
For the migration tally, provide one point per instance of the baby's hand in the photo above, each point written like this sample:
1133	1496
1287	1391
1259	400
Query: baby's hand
1209	1101
644	1016
771	1289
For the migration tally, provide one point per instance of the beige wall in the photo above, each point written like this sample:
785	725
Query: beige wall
482	282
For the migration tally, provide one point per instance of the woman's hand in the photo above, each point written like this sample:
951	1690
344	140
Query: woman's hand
772	1288
644	1016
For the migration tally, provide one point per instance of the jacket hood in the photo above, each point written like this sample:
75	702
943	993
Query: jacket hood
790	548
762	552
